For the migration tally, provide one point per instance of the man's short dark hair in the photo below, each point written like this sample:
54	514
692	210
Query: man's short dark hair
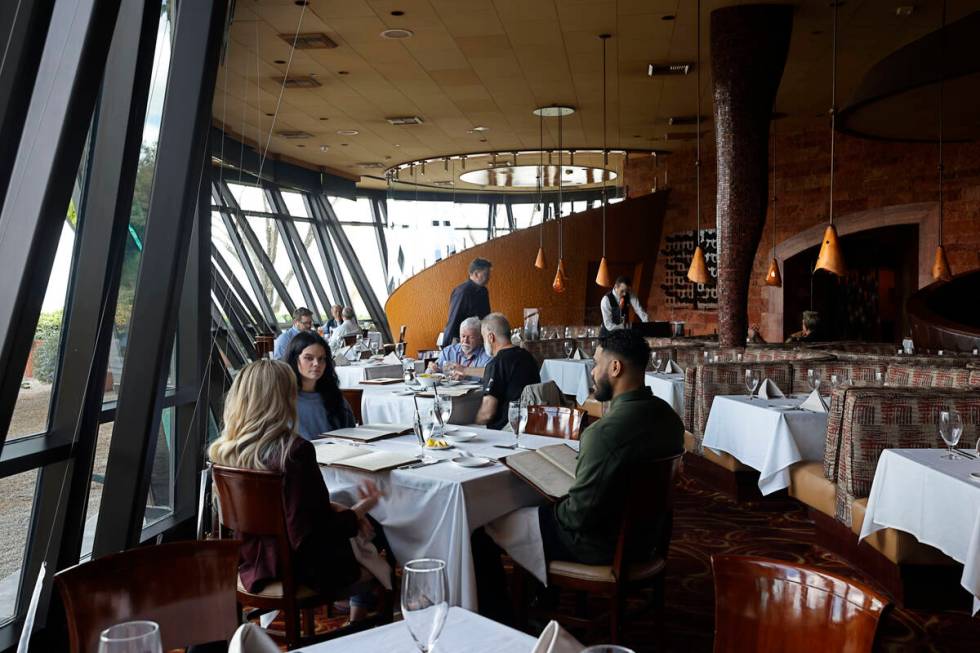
628	346
301	312
479	264
621	279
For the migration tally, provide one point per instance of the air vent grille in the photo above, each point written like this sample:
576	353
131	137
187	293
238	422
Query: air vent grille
298	82
662	69
310	41
405	120
293	134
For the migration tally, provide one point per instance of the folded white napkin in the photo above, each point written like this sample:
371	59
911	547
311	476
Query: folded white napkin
769	390
672	368
249	638
578	355
814	403
555	639
391	359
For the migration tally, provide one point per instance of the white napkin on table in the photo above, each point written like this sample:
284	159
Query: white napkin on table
769	390
814	403
672	368
555	639
340	360
578	355
249	638
391	359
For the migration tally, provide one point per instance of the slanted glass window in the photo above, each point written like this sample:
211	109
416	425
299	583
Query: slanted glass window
295	204
270	239
16	507
250	198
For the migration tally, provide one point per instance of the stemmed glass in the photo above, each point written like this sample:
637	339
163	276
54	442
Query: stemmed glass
131	637
375	346
442	408
950	429
569	348
657	362
400	350
751	382
516	416
425	600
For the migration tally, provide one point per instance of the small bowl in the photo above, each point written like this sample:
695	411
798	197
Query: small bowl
429	380
460	436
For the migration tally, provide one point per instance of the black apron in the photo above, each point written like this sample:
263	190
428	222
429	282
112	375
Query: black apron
618	314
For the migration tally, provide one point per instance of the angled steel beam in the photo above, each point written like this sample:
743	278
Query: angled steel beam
379	212
329	257
255	315
292	233
511	223
229	306
279	205
270	270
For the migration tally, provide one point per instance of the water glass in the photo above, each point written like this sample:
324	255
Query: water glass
751	382
950	429
569	348
738	358
131	637
835	381
516	416
657	362
812	379
879	378
425	600
442	408
400	350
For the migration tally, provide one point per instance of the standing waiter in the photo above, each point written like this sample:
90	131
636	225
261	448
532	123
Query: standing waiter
616	305
470	298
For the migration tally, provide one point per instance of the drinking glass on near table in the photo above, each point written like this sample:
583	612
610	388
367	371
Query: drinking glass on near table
442	408
425	600
131	637
516	415
569	348
751	382
812	379
950	429
657	361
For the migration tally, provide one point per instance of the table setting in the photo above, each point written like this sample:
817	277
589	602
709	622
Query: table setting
573	376
395	403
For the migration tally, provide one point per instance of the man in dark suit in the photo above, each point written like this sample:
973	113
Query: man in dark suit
470	298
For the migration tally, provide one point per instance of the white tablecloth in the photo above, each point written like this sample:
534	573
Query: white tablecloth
766	434
574	377
430	512
351	375
669	387
464	631
936	500
389	404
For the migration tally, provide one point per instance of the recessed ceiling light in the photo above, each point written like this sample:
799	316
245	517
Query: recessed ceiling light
343	72
301	3
554	111
397	33
347	132
397	145
279	61
343	145
478	129
904	11
398	12
483	140
324	148
270	114
668	17
322	118
300	145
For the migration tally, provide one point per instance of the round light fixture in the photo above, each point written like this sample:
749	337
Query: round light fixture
397	33
478	129
554	111
347	132
526	176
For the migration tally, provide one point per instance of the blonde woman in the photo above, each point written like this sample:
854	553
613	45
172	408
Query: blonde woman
260	414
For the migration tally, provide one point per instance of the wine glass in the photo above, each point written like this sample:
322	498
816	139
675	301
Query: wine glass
657	362
751	382
442	408
569	348
812	379
375	346
425	600
950	429
738	357
400	350
835	380
131	637
879	378
516	415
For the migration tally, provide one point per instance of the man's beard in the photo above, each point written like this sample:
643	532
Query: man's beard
466	349
603	389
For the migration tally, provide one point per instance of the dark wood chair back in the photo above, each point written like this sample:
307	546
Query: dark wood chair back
188	588
353	397
351	339
764	605
264	345
554	421
649	500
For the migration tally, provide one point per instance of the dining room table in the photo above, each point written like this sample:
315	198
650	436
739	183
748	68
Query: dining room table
669	387
431	511
350	376
573	376
395	403
769	435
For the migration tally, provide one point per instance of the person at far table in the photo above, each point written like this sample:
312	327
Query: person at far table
810	331
259	415
320	405
349	327
468	357
616	305
469	298
507	374
336	317
302	321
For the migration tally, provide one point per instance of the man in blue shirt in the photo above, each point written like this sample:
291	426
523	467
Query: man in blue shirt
302	321
466	357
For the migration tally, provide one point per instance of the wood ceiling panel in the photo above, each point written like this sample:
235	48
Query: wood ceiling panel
483	46
521	11
455	78
473	23
330	9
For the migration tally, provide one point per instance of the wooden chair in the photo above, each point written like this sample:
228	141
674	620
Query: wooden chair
648	500
252	503
353	397
764	605
174	585
554	421
351	339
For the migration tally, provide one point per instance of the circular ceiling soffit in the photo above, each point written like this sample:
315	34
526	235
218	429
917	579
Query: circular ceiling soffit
554	111
526	176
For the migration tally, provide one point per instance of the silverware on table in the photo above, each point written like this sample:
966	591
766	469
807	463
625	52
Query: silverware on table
965	454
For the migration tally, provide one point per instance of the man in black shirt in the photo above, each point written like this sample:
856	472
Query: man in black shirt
511	369
470	298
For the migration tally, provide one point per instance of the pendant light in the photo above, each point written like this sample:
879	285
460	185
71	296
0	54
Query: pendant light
540	262
558	285
773	278
603	278
940	268
831	258
698	272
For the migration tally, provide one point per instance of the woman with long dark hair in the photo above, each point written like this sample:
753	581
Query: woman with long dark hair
321	406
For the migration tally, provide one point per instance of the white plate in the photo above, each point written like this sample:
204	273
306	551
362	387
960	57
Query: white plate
472	461
460	436
975	476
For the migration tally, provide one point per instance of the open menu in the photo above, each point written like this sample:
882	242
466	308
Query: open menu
384	380
363	458
550	470
451	391
370	432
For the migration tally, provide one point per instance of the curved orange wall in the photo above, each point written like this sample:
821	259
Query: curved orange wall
633	237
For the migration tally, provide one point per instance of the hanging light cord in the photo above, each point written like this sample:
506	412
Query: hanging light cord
943	46
541	178
774	189
561	236
833	110
697	159
605	152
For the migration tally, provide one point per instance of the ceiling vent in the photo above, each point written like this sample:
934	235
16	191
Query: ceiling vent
405	120
663	69
680	136
683	121
310	41
293	134
298	82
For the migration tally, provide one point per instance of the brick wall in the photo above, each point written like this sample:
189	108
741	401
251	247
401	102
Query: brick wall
871	176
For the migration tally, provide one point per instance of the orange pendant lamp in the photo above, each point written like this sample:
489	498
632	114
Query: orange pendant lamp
603	278
831	257
540	262
940	267
773	278
698	272
558	285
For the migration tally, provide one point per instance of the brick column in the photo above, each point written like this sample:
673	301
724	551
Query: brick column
748	52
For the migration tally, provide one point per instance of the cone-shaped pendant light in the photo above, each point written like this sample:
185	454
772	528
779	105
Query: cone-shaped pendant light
773	278
558	285
940	268
831	258
603	278
540	262
698	272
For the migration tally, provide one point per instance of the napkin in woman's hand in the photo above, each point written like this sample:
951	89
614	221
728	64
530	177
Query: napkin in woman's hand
814	403
555	639
249	638
769	390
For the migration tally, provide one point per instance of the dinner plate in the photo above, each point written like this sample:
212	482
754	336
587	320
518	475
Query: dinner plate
460	436
973	475
472	461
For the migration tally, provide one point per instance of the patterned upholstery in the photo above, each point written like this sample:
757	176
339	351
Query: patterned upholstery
856	371
945	361
716	379
690	383
917	376
883	348
875	419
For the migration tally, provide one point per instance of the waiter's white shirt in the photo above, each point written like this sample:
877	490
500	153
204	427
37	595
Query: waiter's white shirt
607	312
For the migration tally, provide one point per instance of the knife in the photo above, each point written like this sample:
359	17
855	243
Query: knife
965	454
